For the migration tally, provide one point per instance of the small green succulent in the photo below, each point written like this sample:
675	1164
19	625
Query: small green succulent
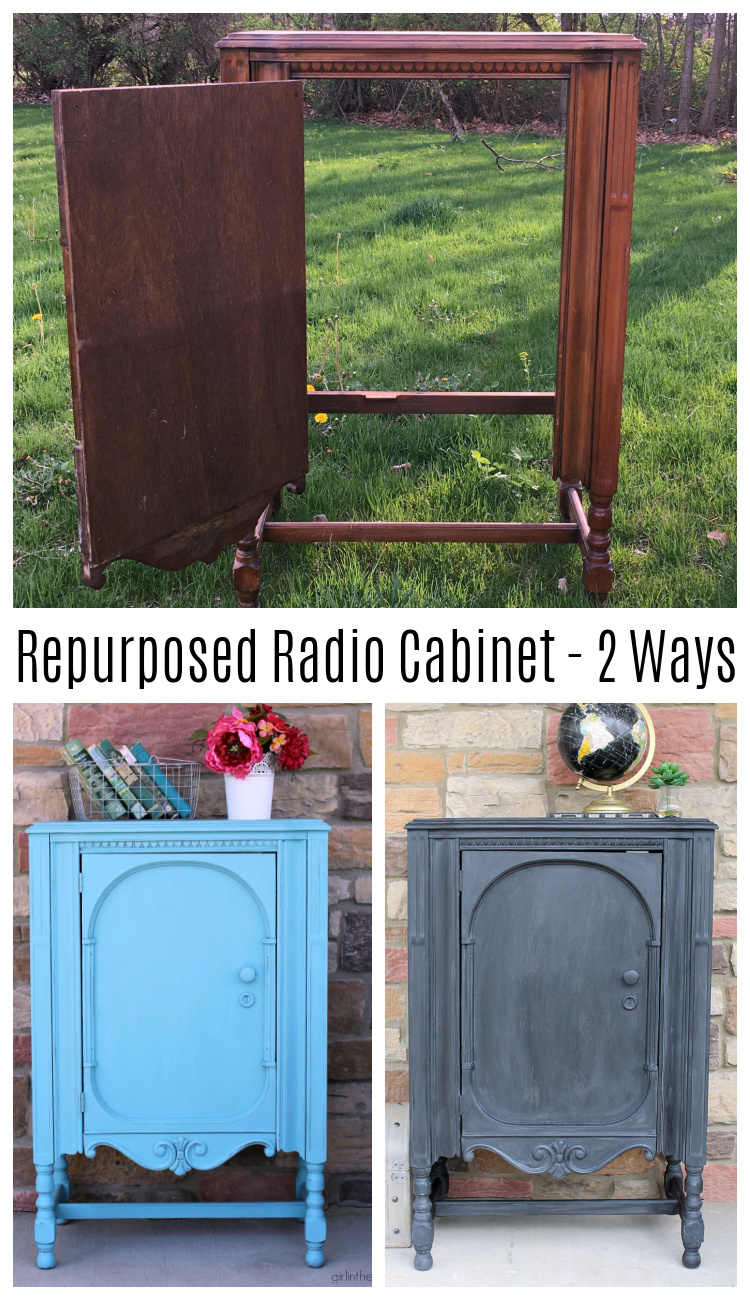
668	774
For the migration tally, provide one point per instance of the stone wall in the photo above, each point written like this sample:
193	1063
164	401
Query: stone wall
335	785
502	761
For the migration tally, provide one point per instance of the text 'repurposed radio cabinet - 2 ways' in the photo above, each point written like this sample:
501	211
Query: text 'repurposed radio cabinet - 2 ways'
182	219
179	979
559	1003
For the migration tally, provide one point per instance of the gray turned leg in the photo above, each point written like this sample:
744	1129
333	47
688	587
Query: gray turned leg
692	1217
440	1175
45	1228
673	1179
422	1227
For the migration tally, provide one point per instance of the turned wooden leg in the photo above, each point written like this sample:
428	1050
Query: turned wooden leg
315	1223
246	572
60	1179
598	574
246	568
422	1228
440	1175
692	1217
301	1180
673	1178
45	1228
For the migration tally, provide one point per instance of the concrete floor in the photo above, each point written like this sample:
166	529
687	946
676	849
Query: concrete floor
197	1252
603	1250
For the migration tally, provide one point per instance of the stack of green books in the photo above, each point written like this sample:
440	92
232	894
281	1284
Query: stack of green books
124	782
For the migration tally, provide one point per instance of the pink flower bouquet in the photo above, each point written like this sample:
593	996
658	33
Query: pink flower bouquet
239	740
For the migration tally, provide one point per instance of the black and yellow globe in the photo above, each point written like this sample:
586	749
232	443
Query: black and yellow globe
602	742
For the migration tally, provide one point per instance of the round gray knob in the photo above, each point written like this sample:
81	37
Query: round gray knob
631	977
247	975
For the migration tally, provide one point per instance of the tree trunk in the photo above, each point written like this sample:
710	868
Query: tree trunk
732	110
730	63
567	24
686	78
708	115
657	114
457	128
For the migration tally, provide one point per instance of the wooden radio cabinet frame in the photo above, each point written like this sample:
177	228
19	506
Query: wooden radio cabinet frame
602	72
182	225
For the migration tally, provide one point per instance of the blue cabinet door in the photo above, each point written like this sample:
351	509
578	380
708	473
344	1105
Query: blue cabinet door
179	998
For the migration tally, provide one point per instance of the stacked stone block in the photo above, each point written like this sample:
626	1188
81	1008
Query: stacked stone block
334	785
502	761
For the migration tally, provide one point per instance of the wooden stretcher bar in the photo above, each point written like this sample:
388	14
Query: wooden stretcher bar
354	531
377	403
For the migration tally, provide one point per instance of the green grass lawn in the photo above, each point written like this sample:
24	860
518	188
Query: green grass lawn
447	277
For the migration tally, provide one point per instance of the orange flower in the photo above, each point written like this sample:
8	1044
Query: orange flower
320	418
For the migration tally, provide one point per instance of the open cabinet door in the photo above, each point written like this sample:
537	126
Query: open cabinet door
182	226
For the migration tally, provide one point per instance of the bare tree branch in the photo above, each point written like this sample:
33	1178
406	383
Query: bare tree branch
540	163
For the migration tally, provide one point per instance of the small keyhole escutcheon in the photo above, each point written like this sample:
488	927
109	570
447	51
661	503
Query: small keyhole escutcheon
246	999
630	1003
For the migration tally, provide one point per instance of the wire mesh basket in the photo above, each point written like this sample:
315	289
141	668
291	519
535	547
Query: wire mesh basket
165	788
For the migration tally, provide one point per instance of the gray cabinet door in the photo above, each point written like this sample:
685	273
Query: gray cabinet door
560	976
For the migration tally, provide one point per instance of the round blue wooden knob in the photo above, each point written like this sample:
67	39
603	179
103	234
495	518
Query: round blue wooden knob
247	974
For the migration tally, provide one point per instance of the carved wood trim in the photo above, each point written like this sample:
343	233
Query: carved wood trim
558	1156
466	69
562	842
147	844
178	1152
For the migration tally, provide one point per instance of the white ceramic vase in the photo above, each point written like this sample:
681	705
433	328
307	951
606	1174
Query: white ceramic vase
250	799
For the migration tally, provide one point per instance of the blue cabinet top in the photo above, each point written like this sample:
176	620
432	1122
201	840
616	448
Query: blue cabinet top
282	827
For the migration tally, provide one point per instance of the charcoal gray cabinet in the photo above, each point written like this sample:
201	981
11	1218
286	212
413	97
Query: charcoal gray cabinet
559	1003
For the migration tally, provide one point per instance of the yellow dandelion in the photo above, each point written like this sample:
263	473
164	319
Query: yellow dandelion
37	315
311	388
320	418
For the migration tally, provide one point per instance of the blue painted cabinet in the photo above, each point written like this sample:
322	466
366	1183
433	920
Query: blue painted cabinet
179	981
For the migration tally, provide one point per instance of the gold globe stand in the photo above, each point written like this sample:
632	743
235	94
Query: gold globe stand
609	803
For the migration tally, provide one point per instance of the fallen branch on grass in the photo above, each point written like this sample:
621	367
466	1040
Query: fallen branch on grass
540	163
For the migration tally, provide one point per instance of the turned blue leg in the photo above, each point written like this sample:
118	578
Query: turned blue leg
60	1179
301	1180
315	1224
692	1217
46	1227
422	1228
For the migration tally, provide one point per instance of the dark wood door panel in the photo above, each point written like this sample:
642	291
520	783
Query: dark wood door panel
182	222
560	991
